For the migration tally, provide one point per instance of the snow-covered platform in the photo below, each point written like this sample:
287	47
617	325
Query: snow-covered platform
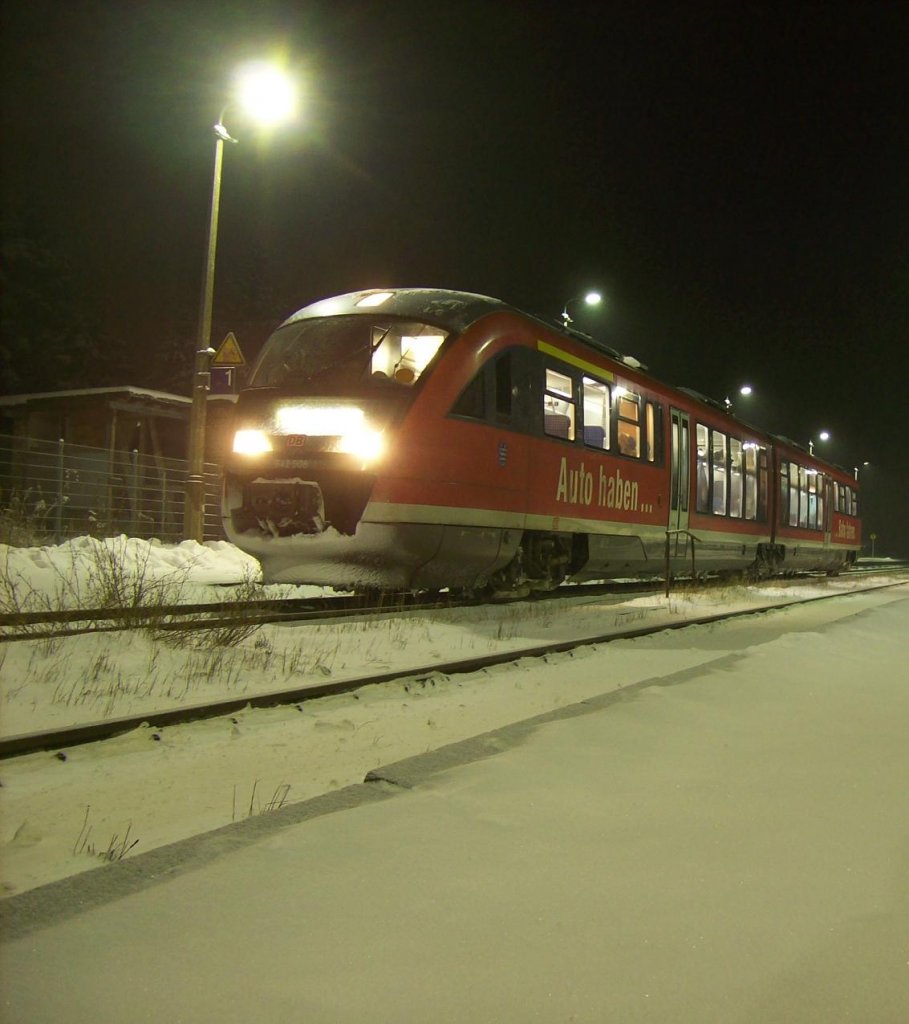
723	844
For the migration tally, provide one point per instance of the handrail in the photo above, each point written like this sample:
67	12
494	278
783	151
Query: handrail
675	533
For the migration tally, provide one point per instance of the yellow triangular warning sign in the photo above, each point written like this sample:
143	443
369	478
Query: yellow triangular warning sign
228	353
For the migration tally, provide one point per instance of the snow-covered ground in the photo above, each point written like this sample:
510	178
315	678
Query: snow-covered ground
724	843
60	814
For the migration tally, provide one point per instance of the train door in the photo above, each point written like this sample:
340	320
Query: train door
679	489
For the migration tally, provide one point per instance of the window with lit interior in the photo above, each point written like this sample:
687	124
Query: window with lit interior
558	405
330	353
596	413
628	422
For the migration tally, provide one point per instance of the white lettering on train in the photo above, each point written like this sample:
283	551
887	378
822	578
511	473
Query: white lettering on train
576	487
845	531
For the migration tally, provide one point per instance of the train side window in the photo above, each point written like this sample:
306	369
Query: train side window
821	491
472	400
683	466
793	494
803	496
750	453
559	405
812	522
653	417
628	422
719	471
503	386
784	491
736	480
596	413
703	470
763	485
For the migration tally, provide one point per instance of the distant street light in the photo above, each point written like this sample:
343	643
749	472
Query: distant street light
591	299
268	96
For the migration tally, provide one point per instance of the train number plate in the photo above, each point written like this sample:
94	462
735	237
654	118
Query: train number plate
296	440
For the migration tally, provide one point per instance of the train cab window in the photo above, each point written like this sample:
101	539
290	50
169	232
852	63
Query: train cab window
344	351
628	422
596	413
403	351
559	405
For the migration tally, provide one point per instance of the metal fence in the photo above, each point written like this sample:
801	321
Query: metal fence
52	490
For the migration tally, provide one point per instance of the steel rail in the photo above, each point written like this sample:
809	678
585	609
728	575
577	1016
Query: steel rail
70	736
179	617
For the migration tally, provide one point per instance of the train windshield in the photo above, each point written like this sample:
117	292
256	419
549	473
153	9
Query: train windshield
346	352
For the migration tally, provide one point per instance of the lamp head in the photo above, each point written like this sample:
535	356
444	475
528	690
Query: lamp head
267	93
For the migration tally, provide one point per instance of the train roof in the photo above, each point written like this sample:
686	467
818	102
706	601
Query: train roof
456	310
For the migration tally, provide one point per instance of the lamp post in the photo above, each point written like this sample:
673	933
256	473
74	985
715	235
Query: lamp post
269	97
591	299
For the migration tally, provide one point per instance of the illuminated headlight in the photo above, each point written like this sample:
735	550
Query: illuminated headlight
364	444
251	442
319	420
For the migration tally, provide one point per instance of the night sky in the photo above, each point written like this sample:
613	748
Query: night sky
734	177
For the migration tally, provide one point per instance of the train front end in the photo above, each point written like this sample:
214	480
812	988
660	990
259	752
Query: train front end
316	428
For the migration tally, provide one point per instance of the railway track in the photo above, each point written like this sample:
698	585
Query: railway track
60	738
224	614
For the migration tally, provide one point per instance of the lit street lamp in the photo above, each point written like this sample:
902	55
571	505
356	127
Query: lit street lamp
269	97
591	299
824	435
744	390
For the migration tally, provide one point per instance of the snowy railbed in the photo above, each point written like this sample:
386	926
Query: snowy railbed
178	781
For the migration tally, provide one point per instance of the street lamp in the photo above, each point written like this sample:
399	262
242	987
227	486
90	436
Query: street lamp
591	299
824	435
744	390
268	96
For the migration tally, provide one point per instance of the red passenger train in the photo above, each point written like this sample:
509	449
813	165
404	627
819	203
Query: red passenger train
415	439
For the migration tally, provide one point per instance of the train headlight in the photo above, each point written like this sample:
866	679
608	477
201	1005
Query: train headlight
365	444
319	419
251	442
